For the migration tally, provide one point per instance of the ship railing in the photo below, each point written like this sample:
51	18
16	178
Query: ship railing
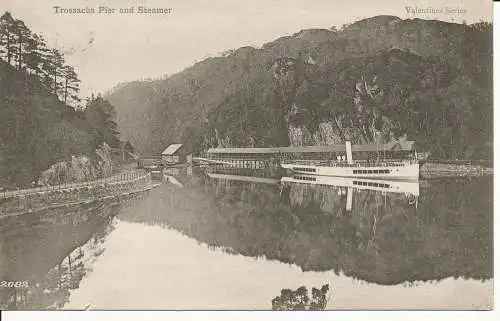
392	163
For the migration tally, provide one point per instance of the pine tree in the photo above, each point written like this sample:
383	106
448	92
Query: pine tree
71	85
53	72
7	36
36	53
101	114
23	38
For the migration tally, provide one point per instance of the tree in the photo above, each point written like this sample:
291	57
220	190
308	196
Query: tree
71	84
36	53
299	299
101	116
23	38
53	72
7	36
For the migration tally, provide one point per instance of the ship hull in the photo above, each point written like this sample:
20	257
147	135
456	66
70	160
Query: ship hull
402	171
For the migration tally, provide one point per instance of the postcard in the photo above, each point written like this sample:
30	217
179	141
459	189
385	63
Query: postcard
246	155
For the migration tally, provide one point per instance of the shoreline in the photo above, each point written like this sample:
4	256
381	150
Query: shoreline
81	202
432	170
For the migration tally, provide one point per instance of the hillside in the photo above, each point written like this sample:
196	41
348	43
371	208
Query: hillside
375	80
46	131
37	130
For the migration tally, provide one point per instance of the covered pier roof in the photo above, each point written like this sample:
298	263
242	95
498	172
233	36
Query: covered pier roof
392	146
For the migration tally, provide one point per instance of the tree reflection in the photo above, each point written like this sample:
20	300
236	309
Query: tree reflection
384	239
52	251
300	300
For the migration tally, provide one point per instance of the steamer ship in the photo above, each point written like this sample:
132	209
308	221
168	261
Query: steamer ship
346	166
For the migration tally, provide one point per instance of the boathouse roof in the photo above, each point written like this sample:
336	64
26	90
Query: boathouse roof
171	149
392	146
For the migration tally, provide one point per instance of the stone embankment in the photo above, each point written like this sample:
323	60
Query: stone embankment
454	169
35	199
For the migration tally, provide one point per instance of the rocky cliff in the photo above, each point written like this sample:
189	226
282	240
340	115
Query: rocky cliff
375	80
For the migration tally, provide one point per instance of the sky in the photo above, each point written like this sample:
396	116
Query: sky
111	48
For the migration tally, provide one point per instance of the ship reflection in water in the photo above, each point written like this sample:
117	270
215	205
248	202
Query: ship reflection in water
232	239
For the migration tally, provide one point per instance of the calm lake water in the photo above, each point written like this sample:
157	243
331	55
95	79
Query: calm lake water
235	240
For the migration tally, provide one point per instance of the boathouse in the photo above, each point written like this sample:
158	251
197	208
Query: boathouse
176	154
392	150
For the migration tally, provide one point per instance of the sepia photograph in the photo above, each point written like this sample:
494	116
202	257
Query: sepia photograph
246	155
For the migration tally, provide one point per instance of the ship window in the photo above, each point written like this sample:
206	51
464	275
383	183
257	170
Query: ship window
387	171
386	185
364	184
370	172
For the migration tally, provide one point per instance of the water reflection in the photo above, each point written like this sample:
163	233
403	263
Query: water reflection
378	236
51	252
201	229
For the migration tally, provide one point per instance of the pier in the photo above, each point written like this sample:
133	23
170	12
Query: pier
272	157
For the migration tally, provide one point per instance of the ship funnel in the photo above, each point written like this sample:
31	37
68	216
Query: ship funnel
348	151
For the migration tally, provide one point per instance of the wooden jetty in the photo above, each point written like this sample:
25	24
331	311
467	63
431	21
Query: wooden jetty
267	157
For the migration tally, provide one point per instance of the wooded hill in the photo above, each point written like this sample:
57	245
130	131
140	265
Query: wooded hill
374	80
42	119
